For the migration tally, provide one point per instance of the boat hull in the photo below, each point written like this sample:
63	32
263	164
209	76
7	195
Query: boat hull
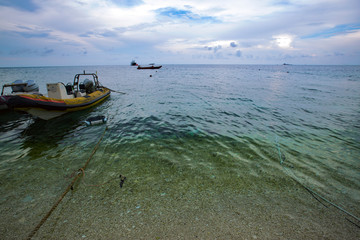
46	108
149	67
3	102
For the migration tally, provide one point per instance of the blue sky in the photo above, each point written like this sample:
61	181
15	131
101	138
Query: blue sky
92	32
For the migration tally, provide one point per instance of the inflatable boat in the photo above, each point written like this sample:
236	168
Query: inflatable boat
60	98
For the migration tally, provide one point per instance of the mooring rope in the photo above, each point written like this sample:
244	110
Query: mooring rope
116	91
293	176
80	173
111	89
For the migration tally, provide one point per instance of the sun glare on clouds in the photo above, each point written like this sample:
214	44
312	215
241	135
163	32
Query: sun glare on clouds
284	41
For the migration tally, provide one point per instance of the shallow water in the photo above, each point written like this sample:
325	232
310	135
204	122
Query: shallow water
191	140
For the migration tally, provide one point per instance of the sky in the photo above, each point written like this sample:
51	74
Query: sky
114	32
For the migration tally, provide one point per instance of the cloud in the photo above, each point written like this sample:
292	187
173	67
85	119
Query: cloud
34	34
32	52
283	40
183	14
26	5
216	48
181	31
238	53
337	30
128	3
233	44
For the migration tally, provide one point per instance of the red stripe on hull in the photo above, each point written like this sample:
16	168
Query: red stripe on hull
42	100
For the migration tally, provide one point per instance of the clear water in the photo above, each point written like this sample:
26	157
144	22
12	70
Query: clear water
199	146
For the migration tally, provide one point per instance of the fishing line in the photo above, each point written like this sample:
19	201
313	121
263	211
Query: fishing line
312	192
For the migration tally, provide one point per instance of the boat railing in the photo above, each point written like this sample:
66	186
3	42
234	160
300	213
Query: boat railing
77	79
12	85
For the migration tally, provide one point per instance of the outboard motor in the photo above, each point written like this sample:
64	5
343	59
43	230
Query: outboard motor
28	86
69	89
82	87
31	86
19	88
89	86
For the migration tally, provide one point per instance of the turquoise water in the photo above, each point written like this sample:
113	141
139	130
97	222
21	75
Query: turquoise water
193	142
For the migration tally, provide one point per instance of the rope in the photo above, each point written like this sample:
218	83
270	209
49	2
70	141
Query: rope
116	91
81	172
312	192
113	90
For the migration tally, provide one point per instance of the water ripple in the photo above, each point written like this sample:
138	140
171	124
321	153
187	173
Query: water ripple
200	129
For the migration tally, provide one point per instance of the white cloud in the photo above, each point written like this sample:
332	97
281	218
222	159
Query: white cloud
284	41
229	28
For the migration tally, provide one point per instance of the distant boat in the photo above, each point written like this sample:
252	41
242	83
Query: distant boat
150	66
133	63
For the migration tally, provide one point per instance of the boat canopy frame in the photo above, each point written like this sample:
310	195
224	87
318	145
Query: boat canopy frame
77	78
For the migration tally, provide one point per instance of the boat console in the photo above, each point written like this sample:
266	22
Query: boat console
58	91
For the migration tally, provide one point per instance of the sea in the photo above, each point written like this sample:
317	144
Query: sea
188	152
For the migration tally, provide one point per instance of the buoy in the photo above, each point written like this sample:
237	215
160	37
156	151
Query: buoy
95	120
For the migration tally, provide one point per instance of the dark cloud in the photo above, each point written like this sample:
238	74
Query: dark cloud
339	54
108	34
24	51
217	48
103	33
32	52
233	44
26	5
86	34
34	34
238	53
47	52
29	32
